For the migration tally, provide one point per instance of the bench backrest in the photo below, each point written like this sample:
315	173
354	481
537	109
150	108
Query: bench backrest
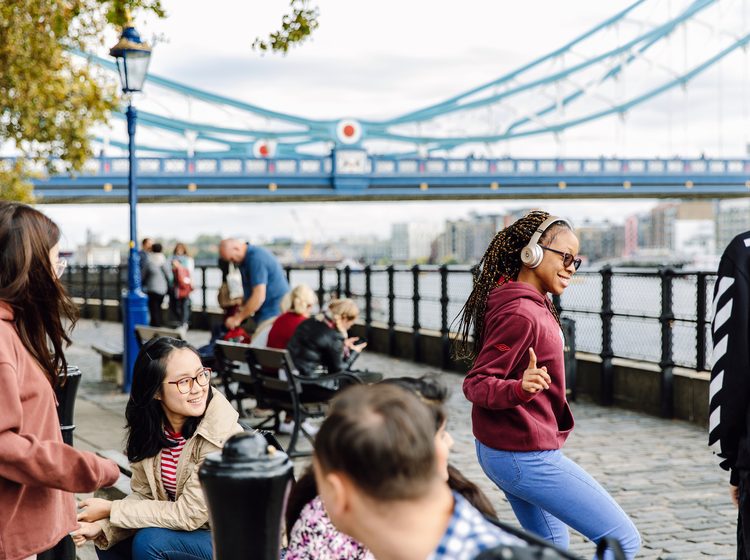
230	358
232	351
144	333
273	372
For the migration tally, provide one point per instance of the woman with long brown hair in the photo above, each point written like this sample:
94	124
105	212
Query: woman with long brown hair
38	472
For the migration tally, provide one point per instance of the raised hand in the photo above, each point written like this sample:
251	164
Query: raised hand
535	379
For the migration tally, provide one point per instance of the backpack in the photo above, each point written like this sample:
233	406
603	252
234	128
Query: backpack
183	284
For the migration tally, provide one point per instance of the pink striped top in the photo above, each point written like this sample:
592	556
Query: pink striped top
169	458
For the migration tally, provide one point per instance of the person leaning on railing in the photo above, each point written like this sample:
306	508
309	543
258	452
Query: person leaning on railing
38	472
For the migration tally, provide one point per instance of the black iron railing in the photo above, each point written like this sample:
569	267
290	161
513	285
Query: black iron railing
657	316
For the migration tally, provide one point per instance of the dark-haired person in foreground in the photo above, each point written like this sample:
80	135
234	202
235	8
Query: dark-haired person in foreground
174	420
377	473
311	534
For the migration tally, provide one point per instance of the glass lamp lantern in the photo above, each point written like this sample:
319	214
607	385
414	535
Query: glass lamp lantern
132	56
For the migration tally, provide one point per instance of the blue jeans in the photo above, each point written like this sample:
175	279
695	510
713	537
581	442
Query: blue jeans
154	543
549	493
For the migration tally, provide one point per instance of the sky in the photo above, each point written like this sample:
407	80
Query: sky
380	59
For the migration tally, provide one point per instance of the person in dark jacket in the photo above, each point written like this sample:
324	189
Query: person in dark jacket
729	393
322	345
520	417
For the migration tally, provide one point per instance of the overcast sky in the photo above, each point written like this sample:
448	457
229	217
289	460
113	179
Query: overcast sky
380	59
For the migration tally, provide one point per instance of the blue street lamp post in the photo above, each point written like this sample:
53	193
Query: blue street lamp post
133	56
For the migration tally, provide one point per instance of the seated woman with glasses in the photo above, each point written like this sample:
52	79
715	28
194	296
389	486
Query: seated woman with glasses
173	413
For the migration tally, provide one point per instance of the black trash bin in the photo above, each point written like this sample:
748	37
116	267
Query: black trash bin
246	487
571	365
66	399
65	392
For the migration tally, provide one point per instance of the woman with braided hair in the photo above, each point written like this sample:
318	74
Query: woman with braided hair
520	417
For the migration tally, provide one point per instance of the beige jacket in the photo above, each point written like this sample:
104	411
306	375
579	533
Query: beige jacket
148	505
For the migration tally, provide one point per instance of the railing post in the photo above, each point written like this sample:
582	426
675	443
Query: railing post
85	310
445	342
321	287
204	303
368	302
288	272
391	311
700	322
417	351
338	282
119	292
101	293
347	281
607	369
666	364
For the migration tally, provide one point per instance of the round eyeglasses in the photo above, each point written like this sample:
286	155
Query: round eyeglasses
567	258
185	385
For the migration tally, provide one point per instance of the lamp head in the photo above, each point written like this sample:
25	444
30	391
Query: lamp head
132	56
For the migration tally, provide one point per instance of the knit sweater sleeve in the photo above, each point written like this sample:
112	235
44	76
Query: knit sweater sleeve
495	380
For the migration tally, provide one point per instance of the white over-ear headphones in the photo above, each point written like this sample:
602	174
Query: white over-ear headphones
532	254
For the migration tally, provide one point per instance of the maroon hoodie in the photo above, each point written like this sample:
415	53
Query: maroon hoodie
503	415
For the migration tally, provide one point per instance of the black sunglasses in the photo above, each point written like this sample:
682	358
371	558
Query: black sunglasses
568	259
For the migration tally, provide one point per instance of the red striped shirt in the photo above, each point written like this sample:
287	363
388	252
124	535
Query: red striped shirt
169	459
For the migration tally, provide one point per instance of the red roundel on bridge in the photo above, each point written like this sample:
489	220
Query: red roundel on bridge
349	131
264	148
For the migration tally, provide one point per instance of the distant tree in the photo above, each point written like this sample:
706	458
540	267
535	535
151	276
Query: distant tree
48	98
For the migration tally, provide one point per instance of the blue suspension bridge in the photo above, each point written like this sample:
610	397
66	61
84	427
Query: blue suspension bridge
457	148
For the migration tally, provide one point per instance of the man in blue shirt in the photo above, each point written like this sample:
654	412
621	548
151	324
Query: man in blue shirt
263	280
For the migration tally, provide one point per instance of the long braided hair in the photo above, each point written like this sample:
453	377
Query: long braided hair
500	264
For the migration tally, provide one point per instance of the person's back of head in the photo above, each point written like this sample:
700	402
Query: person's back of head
156	248
302	300
381	438
29	284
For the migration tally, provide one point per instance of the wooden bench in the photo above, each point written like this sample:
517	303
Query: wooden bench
278	386
112	356
144	333
233	374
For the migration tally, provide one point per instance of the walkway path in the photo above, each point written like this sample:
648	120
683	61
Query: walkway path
660	471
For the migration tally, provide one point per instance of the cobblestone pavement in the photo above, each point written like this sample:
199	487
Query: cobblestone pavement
660	471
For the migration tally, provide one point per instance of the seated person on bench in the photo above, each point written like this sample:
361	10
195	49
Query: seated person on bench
173	412
322	345
302	301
